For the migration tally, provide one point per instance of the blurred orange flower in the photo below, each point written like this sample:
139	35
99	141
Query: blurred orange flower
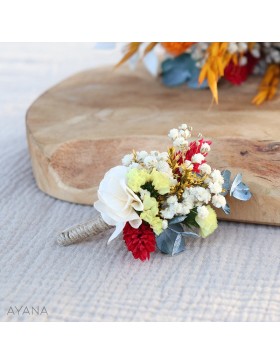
176	48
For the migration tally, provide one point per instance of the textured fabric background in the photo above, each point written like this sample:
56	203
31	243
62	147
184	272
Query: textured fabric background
232	276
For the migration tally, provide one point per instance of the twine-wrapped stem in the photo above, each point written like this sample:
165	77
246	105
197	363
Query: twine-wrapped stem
81	232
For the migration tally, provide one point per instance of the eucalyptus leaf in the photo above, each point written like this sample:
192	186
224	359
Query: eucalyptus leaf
170	242
190	219
235	183
183	233
190	234
242	195
226	185
177	219
226	209
242	187
239	189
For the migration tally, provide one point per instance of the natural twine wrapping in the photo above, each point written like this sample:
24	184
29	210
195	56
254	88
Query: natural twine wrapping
81	232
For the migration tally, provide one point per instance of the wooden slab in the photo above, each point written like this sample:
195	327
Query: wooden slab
83	126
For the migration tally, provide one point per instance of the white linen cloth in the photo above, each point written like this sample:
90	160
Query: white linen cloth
234	275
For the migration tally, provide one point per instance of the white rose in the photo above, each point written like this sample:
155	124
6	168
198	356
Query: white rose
117	202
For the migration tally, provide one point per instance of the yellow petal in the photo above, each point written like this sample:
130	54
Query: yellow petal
220	67
212	82
149	47
132	49
203	73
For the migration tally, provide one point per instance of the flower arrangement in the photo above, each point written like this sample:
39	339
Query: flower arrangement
201	65
156	199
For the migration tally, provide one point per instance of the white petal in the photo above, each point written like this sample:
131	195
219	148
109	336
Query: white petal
119	229
103	207
135	223
100	207
134	200
112	216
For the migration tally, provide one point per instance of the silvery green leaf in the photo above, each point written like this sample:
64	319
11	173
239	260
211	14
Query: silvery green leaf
242	186
183	233
226	209
243	195
177	219
235	183
226	186
240	190
191	234
170	242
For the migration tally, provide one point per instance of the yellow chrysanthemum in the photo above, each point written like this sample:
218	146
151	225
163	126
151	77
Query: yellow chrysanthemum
154	221
150	214
137	178
150	203
160	181
209	224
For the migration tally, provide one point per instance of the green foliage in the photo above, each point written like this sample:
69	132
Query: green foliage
190	219
149	187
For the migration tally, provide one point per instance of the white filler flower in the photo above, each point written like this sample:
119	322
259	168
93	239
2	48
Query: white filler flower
202	212
117	202
198	158
205	168
219	201
127	159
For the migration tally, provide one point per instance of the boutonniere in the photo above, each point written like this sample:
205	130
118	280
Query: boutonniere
155	200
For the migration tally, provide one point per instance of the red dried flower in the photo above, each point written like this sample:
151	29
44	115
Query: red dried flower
194	148
237	74
141	242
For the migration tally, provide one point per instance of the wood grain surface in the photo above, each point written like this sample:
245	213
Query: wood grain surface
83	126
